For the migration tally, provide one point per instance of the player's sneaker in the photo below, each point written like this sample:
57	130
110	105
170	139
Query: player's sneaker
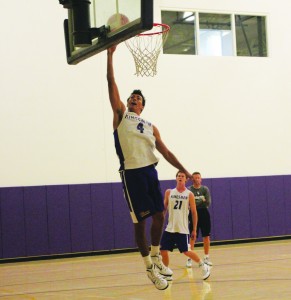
161	268
168	278
207	261
159	282
205	271
189	263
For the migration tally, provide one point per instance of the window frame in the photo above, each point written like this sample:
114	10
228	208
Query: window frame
197	42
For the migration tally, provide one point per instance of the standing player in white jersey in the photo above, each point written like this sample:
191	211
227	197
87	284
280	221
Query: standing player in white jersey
177	202
135	142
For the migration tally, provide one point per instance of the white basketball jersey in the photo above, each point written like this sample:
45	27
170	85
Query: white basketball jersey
135	142
178	208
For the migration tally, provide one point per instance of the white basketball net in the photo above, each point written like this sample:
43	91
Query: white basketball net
146	47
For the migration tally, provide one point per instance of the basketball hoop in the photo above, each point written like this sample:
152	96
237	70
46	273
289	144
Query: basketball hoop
146	47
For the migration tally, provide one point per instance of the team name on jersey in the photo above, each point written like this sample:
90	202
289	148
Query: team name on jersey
138	119
179	197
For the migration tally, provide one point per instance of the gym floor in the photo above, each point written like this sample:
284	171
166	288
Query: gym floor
260	270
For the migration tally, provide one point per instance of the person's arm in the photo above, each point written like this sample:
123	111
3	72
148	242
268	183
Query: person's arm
207	196
194	215
117	105
166	201
167	154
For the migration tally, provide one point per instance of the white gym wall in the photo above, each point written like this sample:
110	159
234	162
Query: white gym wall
223	116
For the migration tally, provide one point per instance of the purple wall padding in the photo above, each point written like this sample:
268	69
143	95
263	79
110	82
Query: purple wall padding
46	220
240	208
276	205
123	235
59	228
287	198
102	207
81	217
222	209
1	252
12	223
258	207
167	184
35	211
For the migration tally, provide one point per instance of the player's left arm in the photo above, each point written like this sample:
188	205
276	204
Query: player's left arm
166	201
194	215
207	196
167	154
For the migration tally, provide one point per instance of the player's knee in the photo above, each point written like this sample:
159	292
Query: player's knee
159	217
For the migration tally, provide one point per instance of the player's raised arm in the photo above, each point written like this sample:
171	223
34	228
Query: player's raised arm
117	105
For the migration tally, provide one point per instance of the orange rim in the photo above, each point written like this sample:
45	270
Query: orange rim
165	28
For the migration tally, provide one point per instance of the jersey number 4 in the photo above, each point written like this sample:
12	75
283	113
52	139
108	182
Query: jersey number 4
140	127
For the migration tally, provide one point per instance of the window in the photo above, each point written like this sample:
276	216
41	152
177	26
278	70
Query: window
181	38
215	35
250	35
211	34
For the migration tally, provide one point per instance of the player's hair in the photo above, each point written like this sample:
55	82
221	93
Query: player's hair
180	172
138	92
196	173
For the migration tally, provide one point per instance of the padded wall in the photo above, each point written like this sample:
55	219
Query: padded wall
287	197
12	225
58	211
48	220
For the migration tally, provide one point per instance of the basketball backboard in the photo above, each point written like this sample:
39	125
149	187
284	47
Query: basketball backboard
95	25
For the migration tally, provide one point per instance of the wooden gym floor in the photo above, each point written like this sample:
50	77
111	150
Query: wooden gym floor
243	271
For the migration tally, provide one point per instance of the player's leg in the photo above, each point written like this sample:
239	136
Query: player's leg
156	232
191	244
167	244
155	203
165	257
205	230
152	271
193	256
135	191
205	269
157	228
140	238
192	240
206	244
182	244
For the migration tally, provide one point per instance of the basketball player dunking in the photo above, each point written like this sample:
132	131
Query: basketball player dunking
135	142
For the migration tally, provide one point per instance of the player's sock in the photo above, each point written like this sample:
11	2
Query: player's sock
147	261
155	250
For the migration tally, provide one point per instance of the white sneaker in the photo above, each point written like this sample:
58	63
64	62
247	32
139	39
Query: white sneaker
205	271
168	278
207	261
189	263
159	282
161	268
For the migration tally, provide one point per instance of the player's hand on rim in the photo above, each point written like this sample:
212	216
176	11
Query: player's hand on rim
111	49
